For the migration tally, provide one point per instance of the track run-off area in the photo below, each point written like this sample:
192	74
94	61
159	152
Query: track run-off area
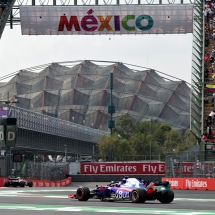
54	200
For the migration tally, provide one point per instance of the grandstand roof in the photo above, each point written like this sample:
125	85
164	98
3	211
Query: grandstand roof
80	93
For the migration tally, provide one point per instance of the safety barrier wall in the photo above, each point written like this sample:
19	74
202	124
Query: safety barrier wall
45	183
191	183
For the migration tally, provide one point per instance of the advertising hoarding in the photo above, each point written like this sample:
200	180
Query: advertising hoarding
123	168
132	168
118	20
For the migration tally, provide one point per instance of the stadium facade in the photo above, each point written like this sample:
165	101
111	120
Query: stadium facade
79	92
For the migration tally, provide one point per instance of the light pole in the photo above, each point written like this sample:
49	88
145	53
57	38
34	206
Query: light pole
65	152
150	150
111	111
10	163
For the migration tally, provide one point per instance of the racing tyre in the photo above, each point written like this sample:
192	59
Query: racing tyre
6	183
167	197
22	184
83	193
138	195
30	184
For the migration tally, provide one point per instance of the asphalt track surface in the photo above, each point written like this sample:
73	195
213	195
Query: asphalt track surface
54	200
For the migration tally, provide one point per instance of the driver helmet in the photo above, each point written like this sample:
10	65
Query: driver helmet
124	180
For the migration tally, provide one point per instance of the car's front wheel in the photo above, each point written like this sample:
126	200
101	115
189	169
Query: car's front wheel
138	195
83	193
6	183
22	184
30	184
167	197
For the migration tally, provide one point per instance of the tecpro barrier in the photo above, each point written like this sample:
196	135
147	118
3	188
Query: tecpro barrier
45	183
191	183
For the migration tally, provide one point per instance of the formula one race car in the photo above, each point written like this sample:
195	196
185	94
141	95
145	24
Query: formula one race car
17	181
133	189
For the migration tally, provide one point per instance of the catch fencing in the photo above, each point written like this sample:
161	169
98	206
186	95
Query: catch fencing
46	171
190	164
34	170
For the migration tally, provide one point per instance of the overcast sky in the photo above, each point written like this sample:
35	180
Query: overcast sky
170	54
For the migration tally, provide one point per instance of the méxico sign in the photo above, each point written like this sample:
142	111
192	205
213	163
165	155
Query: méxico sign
94	20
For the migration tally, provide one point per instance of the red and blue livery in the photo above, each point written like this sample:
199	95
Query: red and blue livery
130	189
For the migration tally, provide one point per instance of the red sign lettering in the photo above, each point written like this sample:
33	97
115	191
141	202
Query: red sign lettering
64	21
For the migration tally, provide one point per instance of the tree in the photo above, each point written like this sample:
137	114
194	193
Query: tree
124	127
105	146
145	145
160	133
173	140
123	150
188	141
146	127
138	143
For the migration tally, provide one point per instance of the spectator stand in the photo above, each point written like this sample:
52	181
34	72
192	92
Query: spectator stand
208	135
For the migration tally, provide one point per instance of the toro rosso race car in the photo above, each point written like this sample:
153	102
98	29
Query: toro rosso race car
17	181
131	189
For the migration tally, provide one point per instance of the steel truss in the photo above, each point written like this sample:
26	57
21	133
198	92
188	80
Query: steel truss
14	18
197	90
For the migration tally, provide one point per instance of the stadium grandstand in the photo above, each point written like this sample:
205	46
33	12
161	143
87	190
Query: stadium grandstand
78	91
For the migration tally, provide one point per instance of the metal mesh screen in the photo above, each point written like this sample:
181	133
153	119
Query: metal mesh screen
82	88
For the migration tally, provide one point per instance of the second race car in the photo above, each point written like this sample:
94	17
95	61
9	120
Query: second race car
132	189
17	181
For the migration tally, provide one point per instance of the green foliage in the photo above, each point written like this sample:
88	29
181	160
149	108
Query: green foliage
124	127
189	140
123	150
104	146
146	127
142	141
160	133
173	140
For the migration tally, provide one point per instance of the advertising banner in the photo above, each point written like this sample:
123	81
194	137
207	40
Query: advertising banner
123	168
187	168
2	138
4	112
176	183
10	135
191	183
118	20
196	183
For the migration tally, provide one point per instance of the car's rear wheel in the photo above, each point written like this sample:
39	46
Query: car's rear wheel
22	184
167	197
6	183
83	193
138	195
30	184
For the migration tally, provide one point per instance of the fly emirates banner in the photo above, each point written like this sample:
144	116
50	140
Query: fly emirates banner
94	20
125	168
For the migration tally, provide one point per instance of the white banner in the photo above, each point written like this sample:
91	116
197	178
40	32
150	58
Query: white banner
94	20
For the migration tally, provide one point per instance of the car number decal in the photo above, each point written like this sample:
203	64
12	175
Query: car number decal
121	195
